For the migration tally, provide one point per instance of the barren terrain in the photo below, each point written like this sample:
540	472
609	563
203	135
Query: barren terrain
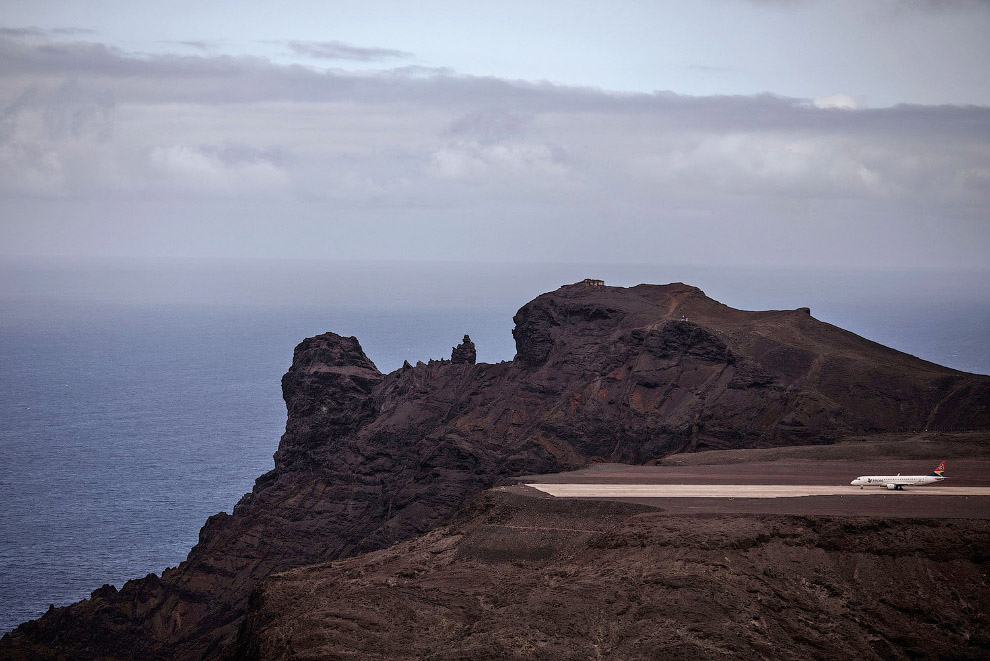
542	578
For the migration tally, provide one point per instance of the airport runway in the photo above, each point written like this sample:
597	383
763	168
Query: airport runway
794	487
742	490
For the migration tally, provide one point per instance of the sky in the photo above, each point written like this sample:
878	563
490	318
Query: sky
772	133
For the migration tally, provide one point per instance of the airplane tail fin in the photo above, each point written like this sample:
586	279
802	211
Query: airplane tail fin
938	471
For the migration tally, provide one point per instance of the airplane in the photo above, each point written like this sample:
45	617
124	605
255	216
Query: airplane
899	481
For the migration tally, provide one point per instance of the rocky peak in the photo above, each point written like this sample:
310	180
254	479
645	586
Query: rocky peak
464	353
588	312
328	387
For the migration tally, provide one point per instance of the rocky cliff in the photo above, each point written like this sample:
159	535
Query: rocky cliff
601	373
517	577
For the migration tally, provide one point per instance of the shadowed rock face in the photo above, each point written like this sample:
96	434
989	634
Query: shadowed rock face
327	392
601	373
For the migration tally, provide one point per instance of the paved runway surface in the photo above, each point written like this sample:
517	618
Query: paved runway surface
741	490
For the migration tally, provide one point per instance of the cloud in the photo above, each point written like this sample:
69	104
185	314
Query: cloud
759	163
337	50
207	80
224	169
467	129
50	114
44	132
926	5
35	32
839	100
403	156
711	70
942	5
202	46
526	162
489	146
489	125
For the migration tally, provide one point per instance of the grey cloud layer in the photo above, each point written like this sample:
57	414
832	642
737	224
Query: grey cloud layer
336	50
41	32
440	153
228	79
927	5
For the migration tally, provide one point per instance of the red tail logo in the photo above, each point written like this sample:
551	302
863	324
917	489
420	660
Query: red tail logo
941	468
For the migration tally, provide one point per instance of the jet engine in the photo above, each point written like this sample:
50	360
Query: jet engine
892	487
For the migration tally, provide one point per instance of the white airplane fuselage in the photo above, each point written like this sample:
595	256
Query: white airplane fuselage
895	481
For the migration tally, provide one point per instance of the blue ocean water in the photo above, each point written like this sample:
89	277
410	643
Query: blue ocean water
123	426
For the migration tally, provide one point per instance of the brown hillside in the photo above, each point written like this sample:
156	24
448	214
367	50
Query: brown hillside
525	578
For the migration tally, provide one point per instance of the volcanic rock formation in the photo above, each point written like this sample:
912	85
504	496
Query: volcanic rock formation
464	353
601	373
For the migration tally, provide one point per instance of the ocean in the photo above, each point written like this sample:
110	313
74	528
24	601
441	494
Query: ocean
123	428
125	424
